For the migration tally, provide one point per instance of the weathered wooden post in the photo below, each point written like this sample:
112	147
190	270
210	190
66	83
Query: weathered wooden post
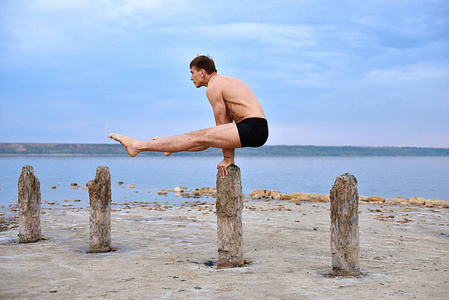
229	206
100	211
345	226
29	206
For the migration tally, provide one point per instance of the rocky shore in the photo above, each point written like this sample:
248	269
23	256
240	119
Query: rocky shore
301	197
8	219
169	252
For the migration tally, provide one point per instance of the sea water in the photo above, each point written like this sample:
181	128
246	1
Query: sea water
388	177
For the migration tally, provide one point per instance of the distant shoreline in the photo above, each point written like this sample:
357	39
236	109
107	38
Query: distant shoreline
66	149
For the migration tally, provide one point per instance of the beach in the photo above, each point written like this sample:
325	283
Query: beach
168	252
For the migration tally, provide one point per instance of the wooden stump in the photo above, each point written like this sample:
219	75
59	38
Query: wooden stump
345	226
100	211
229	206
29	206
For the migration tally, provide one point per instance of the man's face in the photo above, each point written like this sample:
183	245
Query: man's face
197	77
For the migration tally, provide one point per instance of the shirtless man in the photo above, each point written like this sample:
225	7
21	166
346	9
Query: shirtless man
232	101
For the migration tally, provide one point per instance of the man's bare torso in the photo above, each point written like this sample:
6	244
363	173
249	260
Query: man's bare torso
240	101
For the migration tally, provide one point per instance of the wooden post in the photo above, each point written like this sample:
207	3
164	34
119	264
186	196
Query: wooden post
100	211
345	226
29	206
229	206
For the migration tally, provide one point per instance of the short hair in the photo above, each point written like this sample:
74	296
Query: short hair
204	62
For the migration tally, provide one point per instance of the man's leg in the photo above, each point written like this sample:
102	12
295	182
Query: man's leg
221	136
192	150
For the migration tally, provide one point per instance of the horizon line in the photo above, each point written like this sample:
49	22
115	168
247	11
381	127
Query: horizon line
278	145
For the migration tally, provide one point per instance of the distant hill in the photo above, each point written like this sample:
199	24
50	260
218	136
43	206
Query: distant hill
30	149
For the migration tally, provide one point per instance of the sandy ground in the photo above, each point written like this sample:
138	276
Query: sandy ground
163	254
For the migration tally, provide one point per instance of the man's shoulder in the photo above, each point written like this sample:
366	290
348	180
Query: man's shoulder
218	83
213	90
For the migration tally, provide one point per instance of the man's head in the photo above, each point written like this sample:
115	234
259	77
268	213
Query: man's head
201	68
203	62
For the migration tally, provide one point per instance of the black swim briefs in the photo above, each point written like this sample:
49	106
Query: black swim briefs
253	132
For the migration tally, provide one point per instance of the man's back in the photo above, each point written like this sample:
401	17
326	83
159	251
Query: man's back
240	101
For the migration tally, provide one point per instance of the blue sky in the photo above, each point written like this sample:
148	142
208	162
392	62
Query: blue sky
361	73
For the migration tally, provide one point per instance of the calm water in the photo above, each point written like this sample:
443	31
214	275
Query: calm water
387	177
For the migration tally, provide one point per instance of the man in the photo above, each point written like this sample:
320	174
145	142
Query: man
232	101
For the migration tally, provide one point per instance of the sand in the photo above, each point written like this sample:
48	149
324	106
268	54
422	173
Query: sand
164	254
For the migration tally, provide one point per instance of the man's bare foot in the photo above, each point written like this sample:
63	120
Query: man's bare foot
165	153
127	142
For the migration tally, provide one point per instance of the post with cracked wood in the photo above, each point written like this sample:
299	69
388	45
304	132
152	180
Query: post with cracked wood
229	206
29	206
100	211
345	250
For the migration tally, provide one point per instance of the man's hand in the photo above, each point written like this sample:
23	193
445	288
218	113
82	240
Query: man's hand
223	165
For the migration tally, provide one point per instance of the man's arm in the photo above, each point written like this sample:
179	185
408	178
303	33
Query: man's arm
221	117
228	153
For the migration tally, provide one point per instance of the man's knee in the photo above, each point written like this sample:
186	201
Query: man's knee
212	137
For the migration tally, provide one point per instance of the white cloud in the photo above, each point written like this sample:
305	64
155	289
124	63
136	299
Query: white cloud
411	74
403	18
50	26
275	35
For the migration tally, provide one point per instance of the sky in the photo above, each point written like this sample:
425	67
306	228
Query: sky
333	73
